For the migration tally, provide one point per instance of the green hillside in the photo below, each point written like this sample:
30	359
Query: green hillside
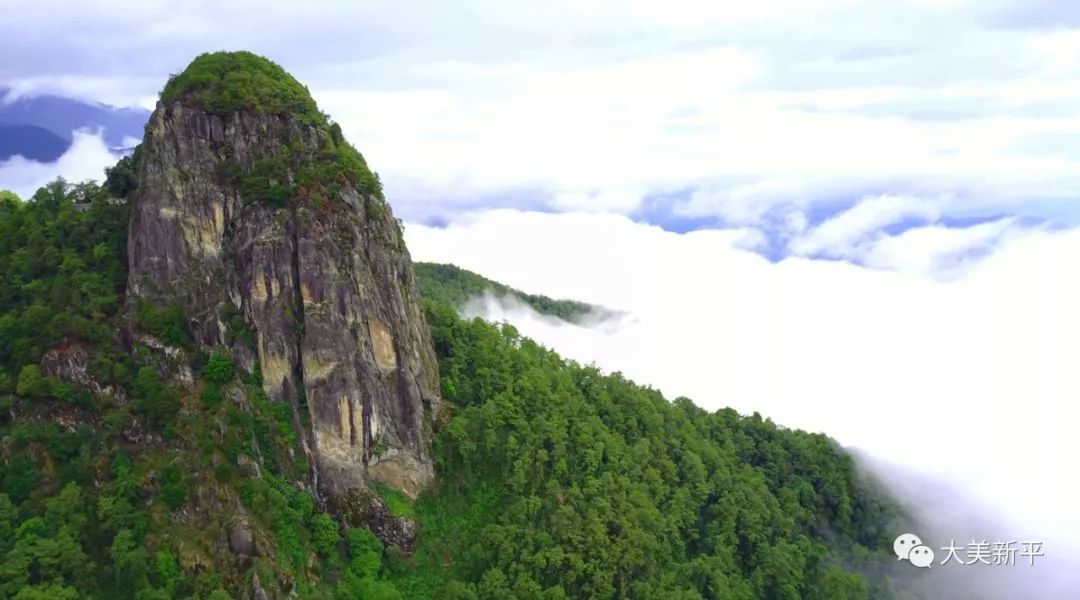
555	480
452	285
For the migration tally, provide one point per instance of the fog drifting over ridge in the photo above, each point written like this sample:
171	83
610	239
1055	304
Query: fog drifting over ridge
86	159
969	381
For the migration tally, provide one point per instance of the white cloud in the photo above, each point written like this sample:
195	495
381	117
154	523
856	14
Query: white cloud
970	380
842	235
938	251
598	105
85	159
111	91
604	200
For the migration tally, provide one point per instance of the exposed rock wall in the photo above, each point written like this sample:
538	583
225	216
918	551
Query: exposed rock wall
325	285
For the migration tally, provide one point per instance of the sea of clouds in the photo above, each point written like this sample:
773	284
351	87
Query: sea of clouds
86	159
958	391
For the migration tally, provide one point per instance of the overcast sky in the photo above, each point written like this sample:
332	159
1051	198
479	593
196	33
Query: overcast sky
771	115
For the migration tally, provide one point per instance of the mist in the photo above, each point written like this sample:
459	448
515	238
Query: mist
85	159
957	393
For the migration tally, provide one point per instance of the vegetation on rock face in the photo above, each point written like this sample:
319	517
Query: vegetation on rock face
448	284
556	480
223	83
167	323
130	495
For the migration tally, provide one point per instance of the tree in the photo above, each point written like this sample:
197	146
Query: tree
173	487
20	477
365	552
166	571
218	369
130	562
324	534
120	178
165	323
211	395
67	509
8	514
53	194
158	402
31	383
52	591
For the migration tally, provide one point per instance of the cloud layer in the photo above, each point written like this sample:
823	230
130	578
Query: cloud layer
698	110
915	165
85	159
970	380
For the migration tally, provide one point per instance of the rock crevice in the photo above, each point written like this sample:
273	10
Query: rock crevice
317	271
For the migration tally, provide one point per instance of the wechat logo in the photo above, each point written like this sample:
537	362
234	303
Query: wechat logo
909	547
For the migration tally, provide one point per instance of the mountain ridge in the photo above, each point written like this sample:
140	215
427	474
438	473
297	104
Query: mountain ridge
455	286
150	446
62	115
31	142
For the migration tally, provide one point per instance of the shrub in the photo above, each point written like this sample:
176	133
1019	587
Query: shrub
65	391
223	83
238	331
211	396
219	369
158	402
20	477
31	383
165	323
324	534
173	487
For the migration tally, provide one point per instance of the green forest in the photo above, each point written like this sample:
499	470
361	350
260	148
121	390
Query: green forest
452	285
555	480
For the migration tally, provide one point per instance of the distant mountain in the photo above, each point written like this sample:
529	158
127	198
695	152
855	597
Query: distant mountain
455	286
32	142
61	116
203	402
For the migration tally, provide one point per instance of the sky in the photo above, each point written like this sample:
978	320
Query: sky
856	217
774	115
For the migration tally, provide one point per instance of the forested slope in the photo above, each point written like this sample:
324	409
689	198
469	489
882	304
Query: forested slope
555	480
452	285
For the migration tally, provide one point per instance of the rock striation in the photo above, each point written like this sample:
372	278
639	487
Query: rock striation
255	217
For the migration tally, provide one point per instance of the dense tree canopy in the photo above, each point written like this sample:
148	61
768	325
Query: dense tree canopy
451	285
556	480
226	82
559	481
62	269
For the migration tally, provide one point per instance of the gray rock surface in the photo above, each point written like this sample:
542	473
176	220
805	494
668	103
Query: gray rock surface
241	541
326	287
363	508
71	362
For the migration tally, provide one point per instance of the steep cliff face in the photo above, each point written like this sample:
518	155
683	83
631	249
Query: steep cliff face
257	219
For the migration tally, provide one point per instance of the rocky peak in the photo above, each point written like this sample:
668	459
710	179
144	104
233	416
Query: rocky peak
256	218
